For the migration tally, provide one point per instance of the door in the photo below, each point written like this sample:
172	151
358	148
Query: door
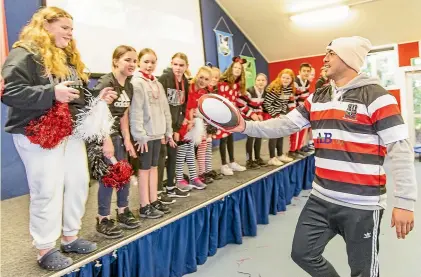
414	106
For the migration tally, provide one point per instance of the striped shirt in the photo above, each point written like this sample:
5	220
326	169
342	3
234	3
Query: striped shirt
301	90
250	103
279	103
350	133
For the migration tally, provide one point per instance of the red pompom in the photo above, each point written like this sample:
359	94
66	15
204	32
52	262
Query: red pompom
118	175
50	129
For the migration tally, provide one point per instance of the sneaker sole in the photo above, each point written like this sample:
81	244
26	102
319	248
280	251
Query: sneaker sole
110	236
199	188
128	227
185	189
167	203
150	217
178	196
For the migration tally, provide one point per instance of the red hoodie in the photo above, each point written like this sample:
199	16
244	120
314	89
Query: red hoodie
192	104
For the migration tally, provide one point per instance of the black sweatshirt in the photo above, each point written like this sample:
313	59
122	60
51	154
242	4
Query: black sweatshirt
177	99
27	92
124	96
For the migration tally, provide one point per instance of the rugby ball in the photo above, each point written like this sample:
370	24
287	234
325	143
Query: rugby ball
219	111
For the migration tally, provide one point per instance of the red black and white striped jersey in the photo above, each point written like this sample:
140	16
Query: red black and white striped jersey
351	130
301	90
250	103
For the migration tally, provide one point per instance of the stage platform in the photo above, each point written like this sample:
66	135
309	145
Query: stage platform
175	244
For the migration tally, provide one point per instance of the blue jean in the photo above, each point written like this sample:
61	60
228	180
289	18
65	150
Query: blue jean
105	193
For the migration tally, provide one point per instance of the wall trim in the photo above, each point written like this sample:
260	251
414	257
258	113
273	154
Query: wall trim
296	58
242	30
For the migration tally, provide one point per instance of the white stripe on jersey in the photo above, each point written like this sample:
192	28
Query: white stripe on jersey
381	102
395	133
357	168
349	137
337	105
352	198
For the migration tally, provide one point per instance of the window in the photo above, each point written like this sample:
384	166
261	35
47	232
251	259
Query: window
383	64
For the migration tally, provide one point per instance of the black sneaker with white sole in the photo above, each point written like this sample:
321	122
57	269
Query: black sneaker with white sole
108	229
161	207
165	199
214	175
150	212
127	220
177	193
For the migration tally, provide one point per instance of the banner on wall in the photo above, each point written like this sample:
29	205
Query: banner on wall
225	49
250	70
249	66
224	45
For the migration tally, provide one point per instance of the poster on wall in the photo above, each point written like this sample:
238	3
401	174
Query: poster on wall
225	49
249	66
250	70
224	45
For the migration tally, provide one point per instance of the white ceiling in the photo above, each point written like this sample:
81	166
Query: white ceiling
267	24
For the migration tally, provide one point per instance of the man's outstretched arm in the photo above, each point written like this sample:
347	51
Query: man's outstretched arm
279	127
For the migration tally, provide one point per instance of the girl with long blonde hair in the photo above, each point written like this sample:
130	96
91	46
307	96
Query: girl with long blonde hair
279	100
191	133
38	74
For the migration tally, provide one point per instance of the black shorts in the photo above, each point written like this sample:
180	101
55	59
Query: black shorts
150	159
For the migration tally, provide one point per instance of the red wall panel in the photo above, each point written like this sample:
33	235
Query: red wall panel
407	51
316	62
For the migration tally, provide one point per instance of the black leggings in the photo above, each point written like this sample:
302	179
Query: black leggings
167	159
223	146
257	143
278	144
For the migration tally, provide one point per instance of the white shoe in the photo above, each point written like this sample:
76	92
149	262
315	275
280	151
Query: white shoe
236	167
226	170
274	161
285	159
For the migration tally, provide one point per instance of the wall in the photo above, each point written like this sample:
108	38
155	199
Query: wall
13	178
19	12
406	51
211	13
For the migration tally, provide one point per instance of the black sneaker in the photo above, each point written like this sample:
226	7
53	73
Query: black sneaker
161	207
165	199
250	164
127	220
108	229
214	175
177	193
149	212
260	162
206	179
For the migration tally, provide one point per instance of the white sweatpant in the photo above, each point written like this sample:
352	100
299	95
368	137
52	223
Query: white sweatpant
58	182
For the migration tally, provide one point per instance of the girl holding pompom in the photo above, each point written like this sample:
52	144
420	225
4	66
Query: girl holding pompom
119	144
39	74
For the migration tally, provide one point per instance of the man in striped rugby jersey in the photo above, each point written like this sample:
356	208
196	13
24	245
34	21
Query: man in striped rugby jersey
357	122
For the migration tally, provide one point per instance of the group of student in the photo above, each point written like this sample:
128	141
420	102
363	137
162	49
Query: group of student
282	95
156	123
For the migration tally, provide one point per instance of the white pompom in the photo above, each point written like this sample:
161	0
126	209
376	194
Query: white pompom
95	122
197	133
